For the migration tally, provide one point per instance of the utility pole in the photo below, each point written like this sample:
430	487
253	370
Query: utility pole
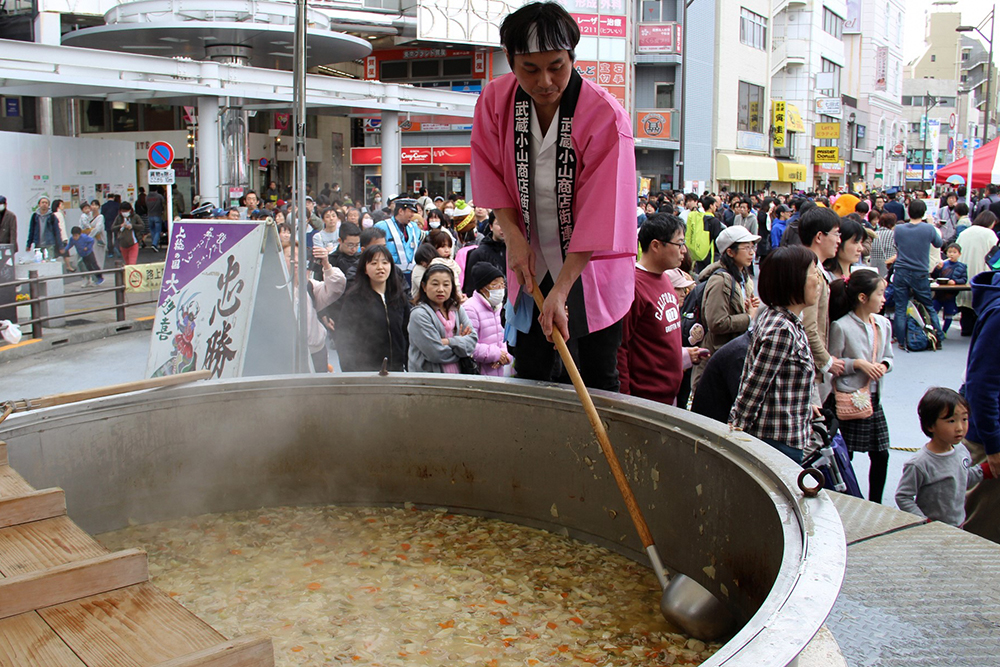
299	190
989	62
929	103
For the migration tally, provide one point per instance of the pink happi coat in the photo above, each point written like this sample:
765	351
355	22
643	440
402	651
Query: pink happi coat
604	198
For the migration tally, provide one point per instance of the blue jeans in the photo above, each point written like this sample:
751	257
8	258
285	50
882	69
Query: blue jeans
790	452
155	229
906	282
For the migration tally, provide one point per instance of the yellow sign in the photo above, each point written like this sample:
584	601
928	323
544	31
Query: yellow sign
793	121
778	123
143	277
826	130
790	172
826	154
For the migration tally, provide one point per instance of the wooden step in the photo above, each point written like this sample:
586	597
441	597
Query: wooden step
136	626
251	650
12	484
71	581
28	641
32	506
43	544
3	453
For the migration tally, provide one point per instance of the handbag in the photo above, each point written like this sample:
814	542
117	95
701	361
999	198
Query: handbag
993	258
857	404
468	366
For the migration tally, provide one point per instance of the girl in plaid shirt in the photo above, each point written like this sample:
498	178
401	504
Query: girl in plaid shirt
774	401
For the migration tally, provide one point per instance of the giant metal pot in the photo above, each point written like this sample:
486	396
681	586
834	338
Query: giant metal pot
723	507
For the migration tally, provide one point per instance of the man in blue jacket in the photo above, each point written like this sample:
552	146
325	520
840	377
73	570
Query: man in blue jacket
982	390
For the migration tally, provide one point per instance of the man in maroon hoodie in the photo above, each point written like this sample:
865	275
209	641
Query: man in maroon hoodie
652	357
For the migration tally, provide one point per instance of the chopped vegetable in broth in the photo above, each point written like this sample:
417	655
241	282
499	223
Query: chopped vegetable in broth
400	586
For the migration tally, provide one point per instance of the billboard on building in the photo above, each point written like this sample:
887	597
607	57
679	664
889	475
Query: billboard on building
881	67
852	24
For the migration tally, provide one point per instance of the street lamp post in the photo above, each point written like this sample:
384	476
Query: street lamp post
989	62
929	103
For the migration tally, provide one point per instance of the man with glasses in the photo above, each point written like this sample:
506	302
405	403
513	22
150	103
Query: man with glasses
348	251
819	231
652	357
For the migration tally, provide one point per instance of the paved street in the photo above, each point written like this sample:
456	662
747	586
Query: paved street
123	359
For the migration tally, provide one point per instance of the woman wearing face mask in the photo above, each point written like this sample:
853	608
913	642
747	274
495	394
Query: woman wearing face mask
367	222
483	309
128	228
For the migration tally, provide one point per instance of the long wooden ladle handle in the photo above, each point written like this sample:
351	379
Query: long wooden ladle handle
110	390
598	426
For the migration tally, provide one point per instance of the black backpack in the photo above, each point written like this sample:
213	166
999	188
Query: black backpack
691	308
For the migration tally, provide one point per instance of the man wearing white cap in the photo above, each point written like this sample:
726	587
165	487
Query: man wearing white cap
729	303
553	156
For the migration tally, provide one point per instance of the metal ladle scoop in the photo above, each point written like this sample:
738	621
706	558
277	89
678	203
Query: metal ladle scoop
684	602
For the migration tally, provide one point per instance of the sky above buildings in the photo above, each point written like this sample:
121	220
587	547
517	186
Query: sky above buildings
973	11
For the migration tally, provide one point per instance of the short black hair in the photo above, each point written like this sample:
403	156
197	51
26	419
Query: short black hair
707	201
76	230
861	207
949	246
661	227
917	209
845	294
817	219
424	253
368	236
962	209
555	28
938	403
440	238
852	229
691	196
349	229
783	274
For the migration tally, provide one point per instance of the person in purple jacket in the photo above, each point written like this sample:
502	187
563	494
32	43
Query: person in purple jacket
982	391
489	288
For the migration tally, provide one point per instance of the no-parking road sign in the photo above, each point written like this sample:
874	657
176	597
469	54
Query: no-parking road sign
161	155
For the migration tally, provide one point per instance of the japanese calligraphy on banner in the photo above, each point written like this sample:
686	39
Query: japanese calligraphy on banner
778	123
143	277
881	67
657	38
206	299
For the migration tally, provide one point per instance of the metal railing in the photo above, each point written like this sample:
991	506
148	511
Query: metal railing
38	295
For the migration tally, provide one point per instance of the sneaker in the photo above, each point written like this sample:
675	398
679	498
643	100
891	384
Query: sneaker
99	281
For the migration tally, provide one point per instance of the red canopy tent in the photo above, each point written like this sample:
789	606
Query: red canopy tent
985	169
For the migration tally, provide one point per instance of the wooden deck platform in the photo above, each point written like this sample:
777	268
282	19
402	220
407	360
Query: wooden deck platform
67	601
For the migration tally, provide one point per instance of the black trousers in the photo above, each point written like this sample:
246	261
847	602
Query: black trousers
596	355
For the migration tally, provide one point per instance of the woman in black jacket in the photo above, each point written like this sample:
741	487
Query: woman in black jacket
374	316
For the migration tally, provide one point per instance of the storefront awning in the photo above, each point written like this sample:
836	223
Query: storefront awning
791	172
734	167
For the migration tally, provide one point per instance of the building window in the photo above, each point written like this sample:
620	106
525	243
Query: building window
965	55
964	77
664	96
914	127
425	68
859	136
833	68
656	11
933	58
751	99
753	29
833	24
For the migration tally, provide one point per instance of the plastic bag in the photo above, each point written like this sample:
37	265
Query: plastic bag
10	332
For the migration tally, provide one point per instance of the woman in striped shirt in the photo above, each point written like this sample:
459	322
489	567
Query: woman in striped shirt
884	246
774	402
